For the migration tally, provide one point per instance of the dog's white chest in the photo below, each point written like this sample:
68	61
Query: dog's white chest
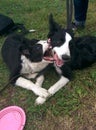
30	67
57	69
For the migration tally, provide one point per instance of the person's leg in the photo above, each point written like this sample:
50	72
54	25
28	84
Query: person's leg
80	11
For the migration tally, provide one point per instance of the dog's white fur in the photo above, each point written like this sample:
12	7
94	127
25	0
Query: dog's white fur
53	89
30	70
64	49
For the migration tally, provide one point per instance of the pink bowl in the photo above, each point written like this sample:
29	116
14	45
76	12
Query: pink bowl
12	118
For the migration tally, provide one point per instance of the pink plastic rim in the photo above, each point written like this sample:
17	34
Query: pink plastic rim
12	118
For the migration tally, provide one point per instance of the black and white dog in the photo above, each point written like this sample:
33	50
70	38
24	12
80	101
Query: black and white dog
69	53
25	60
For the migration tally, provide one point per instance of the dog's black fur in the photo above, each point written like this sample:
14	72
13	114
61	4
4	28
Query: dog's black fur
82	49
24	58
69	53
15	46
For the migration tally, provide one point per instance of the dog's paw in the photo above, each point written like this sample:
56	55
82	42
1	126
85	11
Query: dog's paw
41	92
51	91
40	101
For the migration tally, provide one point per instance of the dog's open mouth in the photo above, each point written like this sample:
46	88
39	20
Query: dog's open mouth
48	55
58	61
53	57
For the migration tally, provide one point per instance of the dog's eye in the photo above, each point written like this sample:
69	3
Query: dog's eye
59	42
37	48
61	39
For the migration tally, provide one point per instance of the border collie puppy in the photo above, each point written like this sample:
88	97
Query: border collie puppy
69	53
25	60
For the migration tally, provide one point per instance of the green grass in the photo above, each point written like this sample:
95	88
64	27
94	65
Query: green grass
73	107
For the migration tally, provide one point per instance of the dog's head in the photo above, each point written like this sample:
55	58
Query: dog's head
59	39
37	50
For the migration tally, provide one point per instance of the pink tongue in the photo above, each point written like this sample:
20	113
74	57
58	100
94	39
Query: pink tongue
58	61
49	58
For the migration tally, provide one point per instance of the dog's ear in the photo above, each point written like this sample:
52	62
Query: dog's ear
27	44
53	26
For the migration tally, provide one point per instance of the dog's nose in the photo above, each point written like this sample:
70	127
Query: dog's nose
66	57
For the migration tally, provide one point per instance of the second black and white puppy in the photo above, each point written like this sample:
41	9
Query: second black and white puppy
25	60
69	53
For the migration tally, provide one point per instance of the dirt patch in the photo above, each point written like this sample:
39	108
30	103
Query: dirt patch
82	119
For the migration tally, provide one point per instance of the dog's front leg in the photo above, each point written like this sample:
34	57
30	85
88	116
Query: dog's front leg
58	85
53	89
27	84
39	80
